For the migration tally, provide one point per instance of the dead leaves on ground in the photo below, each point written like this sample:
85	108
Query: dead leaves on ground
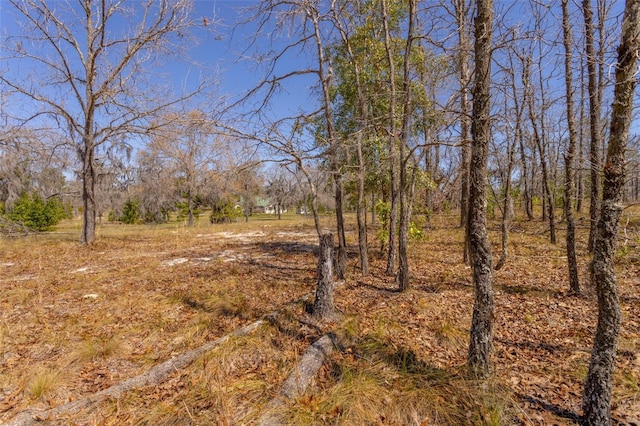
157	308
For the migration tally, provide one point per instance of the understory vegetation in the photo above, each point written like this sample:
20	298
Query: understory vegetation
76	320
36	213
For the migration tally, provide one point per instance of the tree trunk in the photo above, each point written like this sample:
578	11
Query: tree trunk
548	201
595	106
526	191
88	196
341	250
334	146
393	149
506	206
405	205
88	235
361	212
481	334
464	46
572	261
581	166
323	307
597	393
190	216
507	211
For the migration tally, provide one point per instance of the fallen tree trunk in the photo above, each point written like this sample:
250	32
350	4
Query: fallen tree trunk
298	380
154	376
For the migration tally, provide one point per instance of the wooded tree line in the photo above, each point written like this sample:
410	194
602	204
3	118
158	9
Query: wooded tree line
413	107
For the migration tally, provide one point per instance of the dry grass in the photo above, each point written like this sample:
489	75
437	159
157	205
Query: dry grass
42	384
75	320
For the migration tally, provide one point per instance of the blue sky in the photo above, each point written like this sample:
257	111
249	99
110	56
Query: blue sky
216	47
222	45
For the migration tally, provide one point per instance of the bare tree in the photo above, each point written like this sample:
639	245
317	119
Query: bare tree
481	334
305	22
464	75
597	392
572	262
514	134
188	143
31	160
90	72
595	110
539	137
155	185
280	188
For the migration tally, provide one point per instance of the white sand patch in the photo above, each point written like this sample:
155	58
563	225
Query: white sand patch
90	296
7	264
241	236
232	256
25	277
203	259
174	262
80	270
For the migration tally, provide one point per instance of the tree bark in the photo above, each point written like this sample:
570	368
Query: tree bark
88	235
323	307
595	107
405	203
507	211
572	261
393	149
581	165
598	387
464	46
481	335
298	381
341	250
464	77
361	212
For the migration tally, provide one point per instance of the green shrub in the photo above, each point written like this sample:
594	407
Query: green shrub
415	231
183	207
130	212
37	214
224	212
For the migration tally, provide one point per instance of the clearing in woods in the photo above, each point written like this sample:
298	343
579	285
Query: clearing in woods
78	320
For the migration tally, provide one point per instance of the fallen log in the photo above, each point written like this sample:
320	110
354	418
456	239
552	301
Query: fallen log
154	376
298	380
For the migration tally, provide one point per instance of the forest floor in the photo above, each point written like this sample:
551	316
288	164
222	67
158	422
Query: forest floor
75	320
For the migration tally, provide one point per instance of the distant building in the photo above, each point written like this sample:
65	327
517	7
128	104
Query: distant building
264	205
